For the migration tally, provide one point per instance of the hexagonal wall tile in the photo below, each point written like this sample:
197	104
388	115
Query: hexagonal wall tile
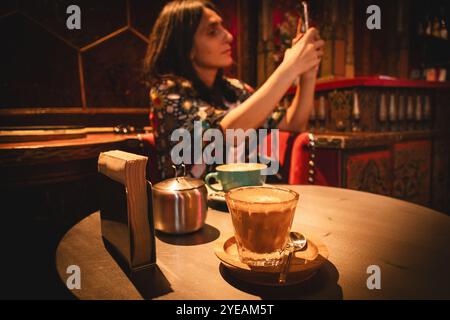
38	69
113	72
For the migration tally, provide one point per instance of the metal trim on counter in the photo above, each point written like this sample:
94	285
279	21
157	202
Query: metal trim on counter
351	140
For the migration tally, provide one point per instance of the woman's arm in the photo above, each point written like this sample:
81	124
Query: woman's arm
297	115
253	112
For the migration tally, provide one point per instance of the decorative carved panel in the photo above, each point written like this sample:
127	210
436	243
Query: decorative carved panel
412	166
369	171
441	179
368	101
340	110
113	72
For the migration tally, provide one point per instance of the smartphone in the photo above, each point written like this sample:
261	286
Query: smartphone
305	16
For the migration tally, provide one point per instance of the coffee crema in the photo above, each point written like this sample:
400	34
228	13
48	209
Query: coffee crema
266	195
241	167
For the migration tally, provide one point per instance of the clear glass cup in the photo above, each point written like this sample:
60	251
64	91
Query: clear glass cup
262	219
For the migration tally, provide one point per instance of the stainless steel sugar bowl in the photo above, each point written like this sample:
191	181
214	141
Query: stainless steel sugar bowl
179	205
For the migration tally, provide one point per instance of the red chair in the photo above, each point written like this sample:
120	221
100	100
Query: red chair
149	149
298	161
285	142
304	167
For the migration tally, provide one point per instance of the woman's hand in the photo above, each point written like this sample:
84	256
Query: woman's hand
302	59
312	73
305	54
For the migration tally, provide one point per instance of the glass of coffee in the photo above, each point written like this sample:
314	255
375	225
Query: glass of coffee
262	219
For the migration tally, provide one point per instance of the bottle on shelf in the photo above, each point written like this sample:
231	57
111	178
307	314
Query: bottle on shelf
443	31
392	113
428	26
442	74
382	113
401	113
356	113
410	113
436	31
419	113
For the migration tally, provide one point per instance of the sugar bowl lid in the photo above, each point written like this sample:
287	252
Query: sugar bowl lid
179	183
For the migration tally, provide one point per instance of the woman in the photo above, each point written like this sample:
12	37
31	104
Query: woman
188	49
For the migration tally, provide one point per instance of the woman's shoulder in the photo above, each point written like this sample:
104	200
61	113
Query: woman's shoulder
172	91
172	84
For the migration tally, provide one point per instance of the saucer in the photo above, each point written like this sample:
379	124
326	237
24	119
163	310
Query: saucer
304	264
219	196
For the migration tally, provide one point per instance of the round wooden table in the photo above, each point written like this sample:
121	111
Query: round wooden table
409	243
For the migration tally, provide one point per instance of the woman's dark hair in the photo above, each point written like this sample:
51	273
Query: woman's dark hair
170	45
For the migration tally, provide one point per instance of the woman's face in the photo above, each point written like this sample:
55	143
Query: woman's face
212	43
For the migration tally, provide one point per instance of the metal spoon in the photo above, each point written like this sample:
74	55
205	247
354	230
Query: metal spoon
297	242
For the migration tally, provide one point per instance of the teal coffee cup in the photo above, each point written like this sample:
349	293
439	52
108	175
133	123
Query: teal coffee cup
235	175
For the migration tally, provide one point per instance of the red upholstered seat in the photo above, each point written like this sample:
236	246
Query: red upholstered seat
149	150
300	156
295	156
299	171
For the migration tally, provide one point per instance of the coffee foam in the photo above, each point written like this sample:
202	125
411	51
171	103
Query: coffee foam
241	167
262	195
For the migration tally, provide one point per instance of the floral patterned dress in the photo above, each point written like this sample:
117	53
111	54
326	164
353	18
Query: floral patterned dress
175	104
